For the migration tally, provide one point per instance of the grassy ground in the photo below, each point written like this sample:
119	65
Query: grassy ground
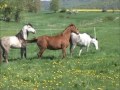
94	70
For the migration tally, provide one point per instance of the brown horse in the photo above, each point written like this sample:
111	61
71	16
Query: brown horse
60	41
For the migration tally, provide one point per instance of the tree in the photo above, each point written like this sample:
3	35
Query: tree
33	5
12	9
37	5
54	5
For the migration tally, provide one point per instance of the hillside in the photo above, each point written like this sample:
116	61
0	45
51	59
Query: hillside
90	3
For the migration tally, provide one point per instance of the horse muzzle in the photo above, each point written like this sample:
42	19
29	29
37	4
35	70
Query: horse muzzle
77	33
34	32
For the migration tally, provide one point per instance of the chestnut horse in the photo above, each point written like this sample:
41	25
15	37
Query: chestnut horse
60	41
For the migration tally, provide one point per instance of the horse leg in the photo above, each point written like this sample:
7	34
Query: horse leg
22	52
88	47
64	52
6	59
0	54
80	51
25	52
72	47
41	52
5	54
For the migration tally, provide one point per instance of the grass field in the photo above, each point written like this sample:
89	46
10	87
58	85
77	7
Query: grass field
93	70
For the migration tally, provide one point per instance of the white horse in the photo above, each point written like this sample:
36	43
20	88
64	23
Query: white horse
82	40
17	41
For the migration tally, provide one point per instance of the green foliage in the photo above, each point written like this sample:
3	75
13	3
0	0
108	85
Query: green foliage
33	5
7	13
63	10
11	10
54	5
108	18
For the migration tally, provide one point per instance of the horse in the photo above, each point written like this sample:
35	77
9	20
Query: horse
17	41
82	40
59	41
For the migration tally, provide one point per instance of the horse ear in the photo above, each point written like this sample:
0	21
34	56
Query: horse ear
30	24
72	24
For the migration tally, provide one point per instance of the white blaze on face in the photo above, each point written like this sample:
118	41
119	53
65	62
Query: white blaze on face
27	28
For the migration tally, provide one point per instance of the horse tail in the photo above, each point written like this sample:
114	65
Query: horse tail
0	52
32	41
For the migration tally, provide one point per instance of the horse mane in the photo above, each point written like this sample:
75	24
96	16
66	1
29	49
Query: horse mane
67	28
64	31
20	35
93	37
30	24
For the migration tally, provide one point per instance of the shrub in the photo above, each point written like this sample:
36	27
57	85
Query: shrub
108	18
104	10
17	15
7	11
62	10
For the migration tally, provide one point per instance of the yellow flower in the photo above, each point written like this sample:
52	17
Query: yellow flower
5	5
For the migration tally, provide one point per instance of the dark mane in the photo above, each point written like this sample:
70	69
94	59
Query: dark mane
67	28
30	24
92	37
20	35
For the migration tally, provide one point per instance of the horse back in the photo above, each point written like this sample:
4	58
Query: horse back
11	41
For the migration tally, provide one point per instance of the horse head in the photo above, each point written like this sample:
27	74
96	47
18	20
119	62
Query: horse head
73	29
95	42
29	28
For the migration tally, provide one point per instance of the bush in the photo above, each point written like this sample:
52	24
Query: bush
104	10
17	15
108	18
63	10
7	14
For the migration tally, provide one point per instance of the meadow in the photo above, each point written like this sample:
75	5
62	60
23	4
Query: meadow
93	70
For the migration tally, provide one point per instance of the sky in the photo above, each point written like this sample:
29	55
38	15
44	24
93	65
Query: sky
45	0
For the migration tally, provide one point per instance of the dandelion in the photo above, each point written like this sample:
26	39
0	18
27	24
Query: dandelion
54	78
69	82
99	88
57	84
35	89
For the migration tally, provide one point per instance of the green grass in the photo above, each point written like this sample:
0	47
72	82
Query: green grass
93	70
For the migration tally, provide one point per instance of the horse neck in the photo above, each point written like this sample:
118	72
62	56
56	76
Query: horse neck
92	41
25	35
22	35
67	33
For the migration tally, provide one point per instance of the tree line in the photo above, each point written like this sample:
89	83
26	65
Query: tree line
11	9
